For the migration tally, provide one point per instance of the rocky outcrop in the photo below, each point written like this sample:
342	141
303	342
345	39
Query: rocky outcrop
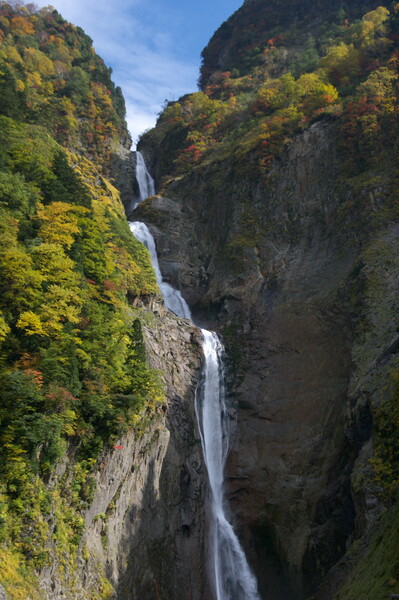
145	524
168	538
122	170
276	263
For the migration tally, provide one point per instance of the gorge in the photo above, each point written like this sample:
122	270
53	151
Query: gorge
143	457
230	573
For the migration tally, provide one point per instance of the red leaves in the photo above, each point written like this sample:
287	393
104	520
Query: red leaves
110	285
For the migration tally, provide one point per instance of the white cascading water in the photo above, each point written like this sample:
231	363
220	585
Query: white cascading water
233	579
173	299
144	179
232	575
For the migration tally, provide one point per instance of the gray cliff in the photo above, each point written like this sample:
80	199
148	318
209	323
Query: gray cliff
145	525
285	267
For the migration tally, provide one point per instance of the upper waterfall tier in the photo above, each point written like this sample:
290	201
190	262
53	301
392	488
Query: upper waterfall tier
144	179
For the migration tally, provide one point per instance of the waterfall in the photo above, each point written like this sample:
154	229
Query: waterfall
232	575
233	579
173	299
144	179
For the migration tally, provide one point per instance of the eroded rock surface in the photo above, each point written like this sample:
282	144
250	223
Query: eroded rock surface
145	525
287	297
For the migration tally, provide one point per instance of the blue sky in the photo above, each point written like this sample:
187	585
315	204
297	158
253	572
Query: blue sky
153	46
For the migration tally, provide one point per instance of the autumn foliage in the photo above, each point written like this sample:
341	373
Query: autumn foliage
348	74
52	77
73	370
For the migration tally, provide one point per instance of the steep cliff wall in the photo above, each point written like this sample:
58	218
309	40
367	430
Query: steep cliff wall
145	523
286	245
290	301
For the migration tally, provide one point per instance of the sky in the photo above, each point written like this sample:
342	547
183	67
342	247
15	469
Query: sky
153	46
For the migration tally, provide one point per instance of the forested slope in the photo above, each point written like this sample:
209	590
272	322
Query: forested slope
73	369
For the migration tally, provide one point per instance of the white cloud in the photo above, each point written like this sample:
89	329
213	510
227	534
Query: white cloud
139	50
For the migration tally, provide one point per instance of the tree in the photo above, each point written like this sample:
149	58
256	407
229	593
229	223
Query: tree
12	100
58	223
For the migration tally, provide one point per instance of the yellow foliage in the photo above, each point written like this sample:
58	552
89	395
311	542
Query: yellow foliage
266	94
4	328
59	224
97	185
34	80
54	264
21	26
67	106
69	422
39	62
381	86
61	305
10	53
16	267
342	62
310	83
31	323
128	267
18	583
373	23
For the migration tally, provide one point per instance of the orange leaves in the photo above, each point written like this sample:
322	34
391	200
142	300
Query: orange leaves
37	376
21	26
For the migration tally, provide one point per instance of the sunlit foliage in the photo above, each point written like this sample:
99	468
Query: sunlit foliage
73	367
285	84
50	75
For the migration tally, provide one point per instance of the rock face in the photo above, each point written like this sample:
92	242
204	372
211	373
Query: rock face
287	301
123	173
145	525
166	540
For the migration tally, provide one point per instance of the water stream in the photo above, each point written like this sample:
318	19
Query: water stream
232	576
174	301
144	179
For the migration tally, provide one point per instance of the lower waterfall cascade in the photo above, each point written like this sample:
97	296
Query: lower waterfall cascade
232	577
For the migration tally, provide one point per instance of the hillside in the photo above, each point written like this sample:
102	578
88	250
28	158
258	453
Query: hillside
74	374
264	83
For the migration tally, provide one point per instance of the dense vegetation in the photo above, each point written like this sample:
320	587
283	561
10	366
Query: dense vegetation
51	76
286	82
73	370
